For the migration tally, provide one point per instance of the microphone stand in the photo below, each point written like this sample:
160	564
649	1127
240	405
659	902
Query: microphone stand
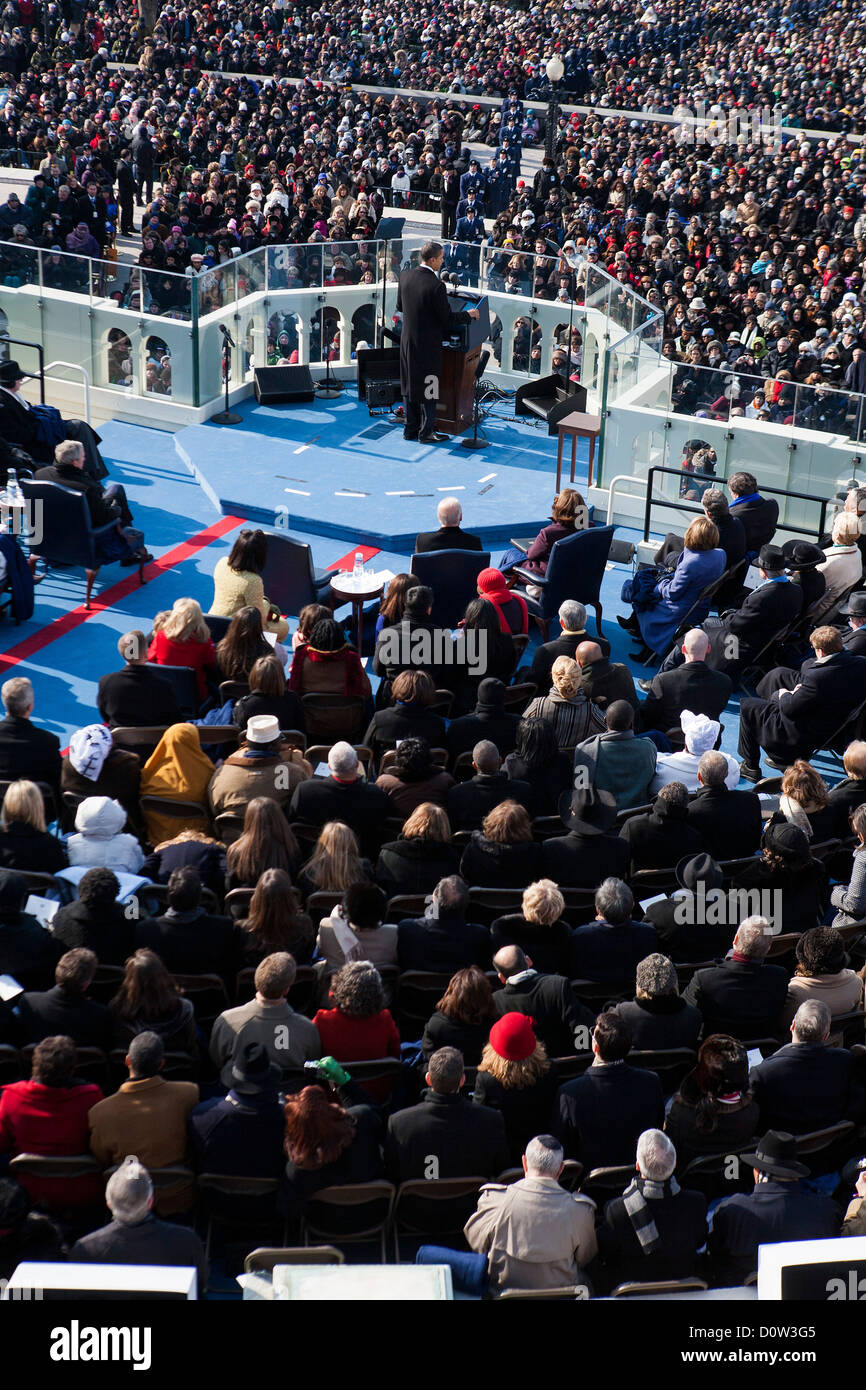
330	388
226	417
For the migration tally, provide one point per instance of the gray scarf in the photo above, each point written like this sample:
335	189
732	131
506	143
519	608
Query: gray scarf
635	1198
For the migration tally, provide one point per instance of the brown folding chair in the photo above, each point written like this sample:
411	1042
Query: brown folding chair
365	1207
434	1208
267	1257
636	1288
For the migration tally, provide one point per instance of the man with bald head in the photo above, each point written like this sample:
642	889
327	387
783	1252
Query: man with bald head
689	686
450	536
604	680
467	803
136	696
562	1023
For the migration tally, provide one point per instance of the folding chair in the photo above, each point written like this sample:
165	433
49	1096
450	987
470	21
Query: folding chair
364	1209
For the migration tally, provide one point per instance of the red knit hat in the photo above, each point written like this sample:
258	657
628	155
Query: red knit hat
513	1037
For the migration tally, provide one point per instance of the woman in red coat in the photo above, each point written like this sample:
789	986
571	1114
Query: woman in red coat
182	638
359	1028
48	1115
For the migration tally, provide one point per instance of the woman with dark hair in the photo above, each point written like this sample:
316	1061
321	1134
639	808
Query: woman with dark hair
517	1078
393	605
356	930
410	715
238	583
414	778
242	646
269	694
568	515
463	1017
786	867
421	856
537	760
267	842
483	649
328	1143
48	1115
149	1001
502	853
822	973
359	1028
328	665
275	921
96	920
309	615
713	1111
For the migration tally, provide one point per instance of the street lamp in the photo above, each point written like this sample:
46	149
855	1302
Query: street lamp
555	69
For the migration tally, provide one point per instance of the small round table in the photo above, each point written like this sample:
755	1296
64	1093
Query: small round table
347	589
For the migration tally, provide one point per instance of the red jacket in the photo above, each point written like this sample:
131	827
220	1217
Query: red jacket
197	655
359	1040
50	1120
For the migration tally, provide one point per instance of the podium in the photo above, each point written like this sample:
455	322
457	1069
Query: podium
457	389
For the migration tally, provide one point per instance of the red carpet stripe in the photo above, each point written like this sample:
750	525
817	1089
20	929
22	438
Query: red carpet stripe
347	561
112	595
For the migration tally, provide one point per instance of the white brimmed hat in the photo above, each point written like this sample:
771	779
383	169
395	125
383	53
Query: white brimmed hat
263	728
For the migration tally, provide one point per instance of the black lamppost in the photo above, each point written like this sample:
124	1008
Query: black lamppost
555	69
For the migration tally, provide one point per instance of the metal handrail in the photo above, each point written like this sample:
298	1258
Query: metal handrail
681	505
75	367
25	342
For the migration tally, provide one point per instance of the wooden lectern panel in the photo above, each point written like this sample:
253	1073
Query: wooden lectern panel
457	389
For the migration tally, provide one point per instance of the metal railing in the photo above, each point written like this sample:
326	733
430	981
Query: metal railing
712	480
40	351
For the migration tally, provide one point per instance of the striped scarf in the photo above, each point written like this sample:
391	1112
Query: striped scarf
635	1198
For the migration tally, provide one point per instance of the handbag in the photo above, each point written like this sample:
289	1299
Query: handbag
638	591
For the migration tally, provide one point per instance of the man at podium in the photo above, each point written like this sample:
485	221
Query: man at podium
427	319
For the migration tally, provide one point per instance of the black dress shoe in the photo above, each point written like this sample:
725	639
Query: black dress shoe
140	557
643	657
630	624
409	436
433	438
644	685
751	774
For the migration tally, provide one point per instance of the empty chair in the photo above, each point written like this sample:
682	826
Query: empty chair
452	575
289	577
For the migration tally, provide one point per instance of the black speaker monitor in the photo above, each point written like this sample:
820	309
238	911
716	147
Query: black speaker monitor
283	385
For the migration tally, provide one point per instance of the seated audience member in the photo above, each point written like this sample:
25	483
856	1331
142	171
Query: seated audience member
516	1078
510	607
289	1038
401	644
359	1028
743	995
148	1114
657	840
502	853
148	1000
181	637
242	1132
767	610
328	665
275	922
410	716
569	515
449	536
786	868
796	722
187	937
778	1209
463	1017
537	760
421	856
572	620
191	849
489	722
842	568
96	920
484	650
442	941
238	584
105	506
855	1214
676	592
92	766
657	1018
263	766
732	539
691	686
849	898
177	770
25	1234
809	1084
343	796
467	803
335	863
600	1115
616	761
24	840
713	1111
728	822
21	425
854	635
538	929
589	852
465	1138
391	607
134	1236
270	695
699	736
804	561
530	1234
699	918
27	951
805	801
267	842
66	1009
603	680
137	696
560	1021
329	1141
611	947
100	840
821	974
655	1229
25	749
567	707
759	515
414	778
243	645
850	793
48	1115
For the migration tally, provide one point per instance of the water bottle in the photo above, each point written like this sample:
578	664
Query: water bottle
358	571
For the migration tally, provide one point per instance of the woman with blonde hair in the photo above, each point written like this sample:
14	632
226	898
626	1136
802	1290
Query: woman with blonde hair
517	1078
842	568
178	770
538	929
181	637
335	863
24	839
421	856
502	853
566	707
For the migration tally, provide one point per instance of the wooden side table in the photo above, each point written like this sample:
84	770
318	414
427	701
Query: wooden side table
578	426
347	589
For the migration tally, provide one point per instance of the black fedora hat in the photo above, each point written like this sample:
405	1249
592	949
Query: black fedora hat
253	1071
856	605
10	372
802	555
699	868
776	1155
772	559
589	811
